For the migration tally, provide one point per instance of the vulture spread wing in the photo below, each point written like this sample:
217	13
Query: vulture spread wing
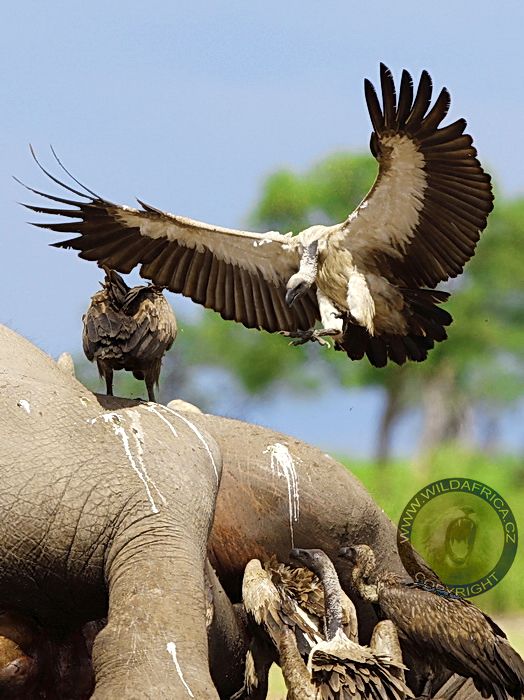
241	275
422	219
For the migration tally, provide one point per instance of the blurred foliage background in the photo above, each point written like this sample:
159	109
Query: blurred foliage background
474	377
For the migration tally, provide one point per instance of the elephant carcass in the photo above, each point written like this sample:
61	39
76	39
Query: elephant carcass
106	513
277	493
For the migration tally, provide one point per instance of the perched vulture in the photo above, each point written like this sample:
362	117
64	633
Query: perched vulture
370	279
440	629
128	328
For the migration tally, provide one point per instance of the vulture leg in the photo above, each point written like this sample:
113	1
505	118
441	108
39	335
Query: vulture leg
109	382
314	335
150	384
106	372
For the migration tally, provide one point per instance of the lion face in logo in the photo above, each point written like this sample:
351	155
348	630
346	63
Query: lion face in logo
450	544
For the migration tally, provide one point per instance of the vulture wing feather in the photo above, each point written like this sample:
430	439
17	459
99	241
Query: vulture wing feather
405	226
123	237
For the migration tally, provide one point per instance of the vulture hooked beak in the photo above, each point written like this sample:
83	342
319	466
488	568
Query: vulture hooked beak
296	287
291	296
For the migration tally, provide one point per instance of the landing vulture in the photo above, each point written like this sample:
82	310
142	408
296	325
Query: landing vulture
370	279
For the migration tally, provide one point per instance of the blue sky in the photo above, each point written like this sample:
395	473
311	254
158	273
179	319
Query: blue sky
189	105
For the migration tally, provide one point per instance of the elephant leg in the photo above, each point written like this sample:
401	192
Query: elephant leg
154	644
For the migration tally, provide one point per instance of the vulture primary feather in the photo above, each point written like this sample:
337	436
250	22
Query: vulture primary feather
371	279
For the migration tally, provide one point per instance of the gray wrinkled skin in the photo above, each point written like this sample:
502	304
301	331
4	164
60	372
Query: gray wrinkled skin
80	535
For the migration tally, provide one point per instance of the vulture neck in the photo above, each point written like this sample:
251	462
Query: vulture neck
332	596
367	591
309	263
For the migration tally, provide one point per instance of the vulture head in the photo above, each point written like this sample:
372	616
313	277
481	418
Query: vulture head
362	560
297	285
313	559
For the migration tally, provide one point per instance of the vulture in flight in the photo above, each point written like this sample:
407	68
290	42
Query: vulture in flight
370	280
128	328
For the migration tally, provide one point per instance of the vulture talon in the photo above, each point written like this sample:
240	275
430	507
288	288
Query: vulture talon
313	335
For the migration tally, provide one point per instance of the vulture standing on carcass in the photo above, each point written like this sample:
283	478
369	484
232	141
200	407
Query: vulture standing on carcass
371	280
128	328
440	629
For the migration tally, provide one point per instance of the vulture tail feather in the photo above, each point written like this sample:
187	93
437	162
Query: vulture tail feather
426	324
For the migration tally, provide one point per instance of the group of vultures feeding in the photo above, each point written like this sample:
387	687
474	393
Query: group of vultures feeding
302	619
370	283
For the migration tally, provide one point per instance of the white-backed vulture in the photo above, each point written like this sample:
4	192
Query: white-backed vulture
370	279
440	629
128	328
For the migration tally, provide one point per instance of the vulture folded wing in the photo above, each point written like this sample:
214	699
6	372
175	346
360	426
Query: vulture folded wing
422	219
105	331
458	634
154	329
241	275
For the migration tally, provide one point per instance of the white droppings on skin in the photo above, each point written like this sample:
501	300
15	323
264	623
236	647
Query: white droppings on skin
106	417
116	420
138	434
150	407
283	465
25	405
84	401
171	649
199	435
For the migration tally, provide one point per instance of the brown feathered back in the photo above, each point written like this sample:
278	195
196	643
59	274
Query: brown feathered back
128	328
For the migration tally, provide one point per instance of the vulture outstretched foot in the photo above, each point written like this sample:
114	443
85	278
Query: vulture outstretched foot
314	335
